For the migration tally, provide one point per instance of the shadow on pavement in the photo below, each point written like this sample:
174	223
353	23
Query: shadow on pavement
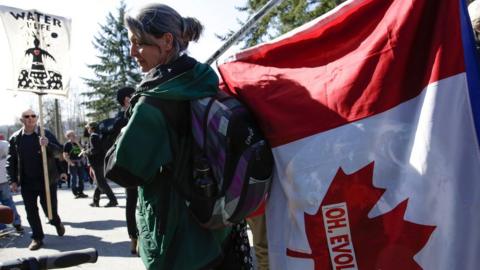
14	239
105	249
19	203
119	196
69	243
101	225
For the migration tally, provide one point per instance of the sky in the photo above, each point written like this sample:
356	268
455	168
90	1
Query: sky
217	16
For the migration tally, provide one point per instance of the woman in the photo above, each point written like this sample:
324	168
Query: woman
146	153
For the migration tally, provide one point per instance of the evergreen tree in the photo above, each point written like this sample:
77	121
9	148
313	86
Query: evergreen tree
116	68
49	115
285	17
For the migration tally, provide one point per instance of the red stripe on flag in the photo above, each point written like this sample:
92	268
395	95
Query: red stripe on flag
363	60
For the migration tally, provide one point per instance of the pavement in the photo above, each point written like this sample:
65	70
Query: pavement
85	227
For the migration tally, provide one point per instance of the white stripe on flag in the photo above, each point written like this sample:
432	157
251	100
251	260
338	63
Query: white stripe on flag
425	150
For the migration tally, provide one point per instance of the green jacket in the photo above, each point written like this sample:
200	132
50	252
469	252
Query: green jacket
142	149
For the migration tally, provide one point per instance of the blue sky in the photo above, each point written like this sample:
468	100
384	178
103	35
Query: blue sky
218	16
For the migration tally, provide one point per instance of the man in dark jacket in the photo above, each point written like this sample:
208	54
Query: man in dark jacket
25	170
123	97
96	154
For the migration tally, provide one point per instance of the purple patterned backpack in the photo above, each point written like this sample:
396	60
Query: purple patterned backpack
233	161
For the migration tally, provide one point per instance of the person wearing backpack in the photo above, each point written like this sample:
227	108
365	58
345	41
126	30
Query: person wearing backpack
95	155
124	95
149	149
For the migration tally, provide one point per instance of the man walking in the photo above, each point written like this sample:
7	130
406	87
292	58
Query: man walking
25	170
96	154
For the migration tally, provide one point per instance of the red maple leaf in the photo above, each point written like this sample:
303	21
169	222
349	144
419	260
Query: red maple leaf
384	242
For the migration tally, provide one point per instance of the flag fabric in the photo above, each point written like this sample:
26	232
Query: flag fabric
372	112
40	50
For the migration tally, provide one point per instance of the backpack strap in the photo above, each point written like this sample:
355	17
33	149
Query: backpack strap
178	117
176	113
178	173
205	125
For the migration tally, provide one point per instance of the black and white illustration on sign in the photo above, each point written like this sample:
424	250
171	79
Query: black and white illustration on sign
40	49
38	76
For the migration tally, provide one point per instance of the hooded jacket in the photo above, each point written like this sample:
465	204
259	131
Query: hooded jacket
169	236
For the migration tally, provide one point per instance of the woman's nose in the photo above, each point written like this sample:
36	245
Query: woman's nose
133	50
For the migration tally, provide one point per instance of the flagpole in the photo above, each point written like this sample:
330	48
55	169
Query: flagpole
44	158
259	15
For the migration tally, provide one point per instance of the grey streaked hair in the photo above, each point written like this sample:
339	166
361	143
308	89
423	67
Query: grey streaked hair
69	132
154	20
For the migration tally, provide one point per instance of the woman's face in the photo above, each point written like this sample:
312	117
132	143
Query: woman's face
149	56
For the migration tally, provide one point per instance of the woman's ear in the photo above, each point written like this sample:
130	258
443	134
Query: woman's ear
168	39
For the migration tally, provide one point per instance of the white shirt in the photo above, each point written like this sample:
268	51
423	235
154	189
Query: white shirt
3	161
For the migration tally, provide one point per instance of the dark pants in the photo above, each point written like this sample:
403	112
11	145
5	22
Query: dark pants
30	200
84	174
102	186
76	178
132	196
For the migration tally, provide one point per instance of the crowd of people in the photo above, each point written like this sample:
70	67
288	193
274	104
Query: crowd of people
157	218
21	170
143	154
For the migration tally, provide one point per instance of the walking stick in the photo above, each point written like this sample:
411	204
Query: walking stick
259	15
44	159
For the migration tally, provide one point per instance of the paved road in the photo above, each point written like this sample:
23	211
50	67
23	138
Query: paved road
101	228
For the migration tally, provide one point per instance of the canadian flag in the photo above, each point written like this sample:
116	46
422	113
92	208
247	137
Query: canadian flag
373	114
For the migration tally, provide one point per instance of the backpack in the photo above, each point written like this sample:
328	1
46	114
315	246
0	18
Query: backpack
239	157
227	139
106	130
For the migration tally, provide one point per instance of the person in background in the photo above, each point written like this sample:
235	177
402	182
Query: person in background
64	178
144	155
25	170
123	97
84	171
5	194
71	154
86	167
95	155
258	227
